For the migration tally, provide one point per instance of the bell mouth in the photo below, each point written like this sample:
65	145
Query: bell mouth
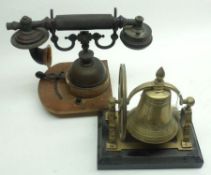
152	135
88	92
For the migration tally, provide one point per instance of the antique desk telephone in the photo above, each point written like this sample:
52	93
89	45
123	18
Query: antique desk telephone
82	87
152	135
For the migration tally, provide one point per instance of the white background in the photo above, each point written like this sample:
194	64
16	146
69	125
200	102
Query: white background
33	142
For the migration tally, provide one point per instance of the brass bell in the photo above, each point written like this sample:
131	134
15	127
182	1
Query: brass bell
153	120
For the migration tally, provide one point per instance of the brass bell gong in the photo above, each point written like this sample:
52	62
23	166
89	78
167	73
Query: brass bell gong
152	121
154	134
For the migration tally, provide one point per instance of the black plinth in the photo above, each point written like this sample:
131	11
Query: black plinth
147	158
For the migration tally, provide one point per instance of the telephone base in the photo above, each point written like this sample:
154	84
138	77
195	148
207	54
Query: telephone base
58	100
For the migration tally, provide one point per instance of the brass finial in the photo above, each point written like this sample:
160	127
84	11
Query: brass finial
160	74
189	101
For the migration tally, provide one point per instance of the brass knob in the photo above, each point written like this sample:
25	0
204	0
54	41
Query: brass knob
189	101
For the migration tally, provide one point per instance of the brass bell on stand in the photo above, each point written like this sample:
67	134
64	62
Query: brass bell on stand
153	121
154	134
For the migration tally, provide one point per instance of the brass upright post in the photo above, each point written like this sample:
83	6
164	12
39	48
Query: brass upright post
186	116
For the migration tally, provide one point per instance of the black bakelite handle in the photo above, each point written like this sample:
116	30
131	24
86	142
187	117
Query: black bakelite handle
84	22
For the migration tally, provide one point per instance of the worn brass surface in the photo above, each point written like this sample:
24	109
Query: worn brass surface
152	121
65	104
158	83
112	125
186	121
133	144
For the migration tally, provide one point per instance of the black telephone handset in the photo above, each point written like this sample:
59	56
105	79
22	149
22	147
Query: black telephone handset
31	34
